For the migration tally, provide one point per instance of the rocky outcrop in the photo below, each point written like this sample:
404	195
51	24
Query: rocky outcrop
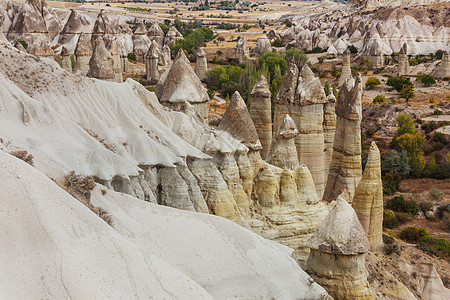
141	42
164	58
83	53
201	65
336	260
284	154
75	25
261	114
329	129
403	62
242	50
181	85
151	61
301	95
101	64
172	36
155	33
346	170
346	70
262	45
66	63
368	199
239	124
443	69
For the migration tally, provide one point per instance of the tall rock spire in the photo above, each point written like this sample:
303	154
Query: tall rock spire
346	170
443	69
403	62
261	114
346	70
201	65
368	200
151	61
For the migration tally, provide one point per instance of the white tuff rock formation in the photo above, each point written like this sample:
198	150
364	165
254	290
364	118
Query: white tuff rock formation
403	62
201	65
242	50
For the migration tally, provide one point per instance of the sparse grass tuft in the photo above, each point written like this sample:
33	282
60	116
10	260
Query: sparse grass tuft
23	155
80	187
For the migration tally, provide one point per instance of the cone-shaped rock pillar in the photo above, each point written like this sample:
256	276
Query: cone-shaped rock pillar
261	114
242	50
443	69
284	154
66	63
151	61
368	200
403	62
237	122
182	85
336	260
83	53
201	65
329	129
346	170
101	64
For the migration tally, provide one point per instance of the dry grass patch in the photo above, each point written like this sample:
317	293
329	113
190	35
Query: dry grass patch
80	187
24	155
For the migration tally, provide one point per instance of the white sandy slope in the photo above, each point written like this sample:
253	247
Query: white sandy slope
54	247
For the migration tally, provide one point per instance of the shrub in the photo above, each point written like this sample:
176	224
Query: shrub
80	187
438	54
352	49
73	62
426	206
399	204
435	246
432	100
403	217
413	62
429	126
426	79
407	92
437	112
389	219
321	59
23	155
24	44
131	56
326	88
396	163
211	93
390	249
391	183
412	234
436	194
398	82
379	99
277	43
151	88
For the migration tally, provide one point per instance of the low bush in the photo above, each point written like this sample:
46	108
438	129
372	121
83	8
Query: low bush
412	234
391	183
429	126
437	112
399	204
426	79
426	206
389	219
435	246
131	56
436	194
379	99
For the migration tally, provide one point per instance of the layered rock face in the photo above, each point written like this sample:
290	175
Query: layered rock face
101	64
242	50
443	69
66	63
141	42
346	70
262	45
83	53
151	61
42	49
201	65
181	85
345	169
284	154
301	95
403	62
261	114
336	260
368	199
155	33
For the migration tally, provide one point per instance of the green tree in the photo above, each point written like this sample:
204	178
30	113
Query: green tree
413	144
372	82
299	57
335	92
405	124
407	92
398	82
379	99
396	163
352	49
